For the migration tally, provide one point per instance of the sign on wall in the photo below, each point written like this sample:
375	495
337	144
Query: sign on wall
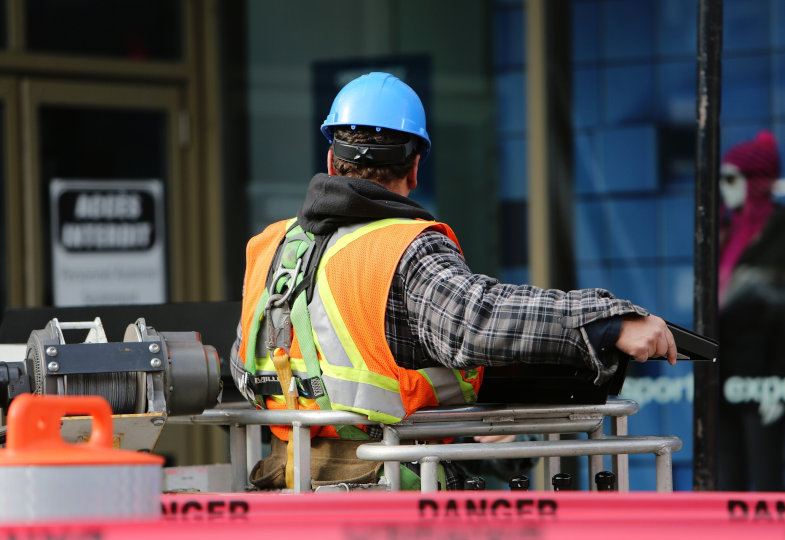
108	242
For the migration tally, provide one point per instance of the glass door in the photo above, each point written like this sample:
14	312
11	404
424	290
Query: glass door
103	193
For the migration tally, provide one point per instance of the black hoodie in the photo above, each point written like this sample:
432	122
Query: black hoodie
334	201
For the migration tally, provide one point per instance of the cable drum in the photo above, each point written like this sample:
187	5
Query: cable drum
120	389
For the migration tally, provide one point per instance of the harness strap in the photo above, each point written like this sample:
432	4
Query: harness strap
282	314
302	327
266	385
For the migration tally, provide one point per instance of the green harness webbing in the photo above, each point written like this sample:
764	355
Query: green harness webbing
298	246
301	322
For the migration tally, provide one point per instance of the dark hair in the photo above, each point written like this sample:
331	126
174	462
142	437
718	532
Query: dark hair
369	135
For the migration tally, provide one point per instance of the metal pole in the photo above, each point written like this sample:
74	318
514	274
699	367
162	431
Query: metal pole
536	109
705	404
621	462
392	469
549	141
429	474
596	462
302	456
664	466
238	450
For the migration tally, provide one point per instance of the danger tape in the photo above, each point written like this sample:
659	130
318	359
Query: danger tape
453	515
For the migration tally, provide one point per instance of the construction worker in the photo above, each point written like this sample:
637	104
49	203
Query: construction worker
386	316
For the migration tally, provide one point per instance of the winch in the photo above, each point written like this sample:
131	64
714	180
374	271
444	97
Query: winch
145	378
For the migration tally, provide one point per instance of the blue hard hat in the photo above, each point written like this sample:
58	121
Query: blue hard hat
378	100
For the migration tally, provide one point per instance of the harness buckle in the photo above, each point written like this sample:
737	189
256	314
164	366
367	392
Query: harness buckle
279	299
279	325
278	312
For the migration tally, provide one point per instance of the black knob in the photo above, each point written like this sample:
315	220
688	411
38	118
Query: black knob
519	483
561	481
605	480
475	483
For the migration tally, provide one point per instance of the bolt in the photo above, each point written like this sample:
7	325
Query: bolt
53	366
154	348
51	351
157	421
155	362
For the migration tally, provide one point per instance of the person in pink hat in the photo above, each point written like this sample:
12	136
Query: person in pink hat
752	319
748	172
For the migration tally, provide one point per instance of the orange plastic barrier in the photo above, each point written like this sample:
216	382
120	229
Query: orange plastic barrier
43	477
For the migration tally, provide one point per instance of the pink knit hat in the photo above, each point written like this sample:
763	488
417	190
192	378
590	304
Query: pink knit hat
758	161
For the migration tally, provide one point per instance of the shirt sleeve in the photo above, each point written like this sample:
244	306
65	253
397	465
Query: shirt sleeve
465	319
604	333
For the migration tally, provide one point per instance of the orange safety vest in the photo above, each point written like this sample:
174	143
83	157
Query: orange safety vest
347	314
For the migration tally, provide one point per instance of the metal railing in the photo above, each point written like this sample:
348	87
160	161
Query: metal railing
551	421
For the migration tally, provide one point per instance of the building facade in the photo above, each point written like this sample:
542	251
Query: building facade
188	125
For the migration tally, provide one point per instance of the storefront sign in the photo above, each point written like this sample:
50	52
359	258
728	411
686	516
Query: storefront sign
108	242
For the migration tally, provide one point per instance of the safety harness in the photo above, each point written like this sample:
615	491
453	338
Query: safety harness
283	308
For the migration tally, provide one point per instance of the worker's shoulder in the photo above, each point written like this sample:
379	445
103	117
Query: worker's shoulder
431	240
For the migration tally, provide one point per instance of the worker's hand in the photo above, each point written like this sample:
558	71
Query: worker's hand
646	337
494	438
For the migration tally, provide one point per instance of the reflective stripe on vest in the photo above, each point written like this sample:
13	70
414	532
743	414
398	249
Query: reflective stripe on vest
446	384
